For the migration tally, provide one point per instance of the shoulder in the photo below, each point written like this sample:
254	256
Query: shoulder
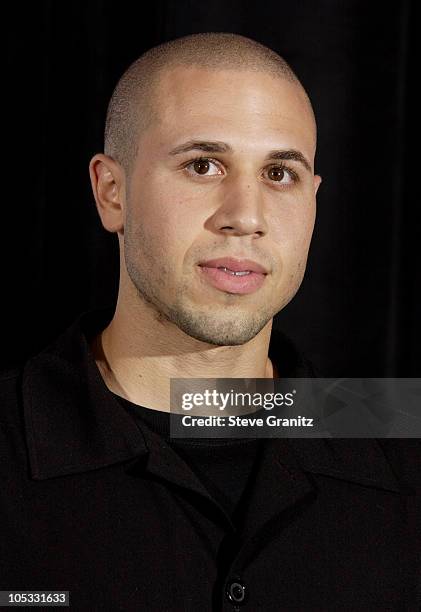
12	425
404	456
10	391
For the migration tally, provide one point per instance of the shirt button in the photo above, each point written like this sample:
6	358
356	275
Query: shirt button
236	591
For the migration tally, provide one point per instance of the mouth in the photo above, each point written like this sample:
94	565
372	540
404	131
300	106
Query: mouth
234	265
231	281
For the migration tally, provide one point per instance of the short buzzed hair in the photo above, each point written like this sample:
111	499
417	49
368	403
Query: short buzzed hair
133	104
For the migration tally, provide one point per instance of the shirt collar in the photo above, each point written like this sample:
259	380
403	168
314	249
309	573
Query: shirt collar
73	423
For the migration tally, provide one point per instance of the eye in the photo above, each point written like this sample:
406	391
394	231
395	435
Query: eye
278	174
201	165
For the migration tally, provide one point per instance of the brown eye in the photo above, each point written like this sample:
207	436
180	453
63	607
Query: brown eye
277	173
201	166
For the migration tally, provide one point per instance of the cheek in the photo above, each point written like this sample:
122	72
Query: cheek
296	274
176	228
164	229
293	227
292	232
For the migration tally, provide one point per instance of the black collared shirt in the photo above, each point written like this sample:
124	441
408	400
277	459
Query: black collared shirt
224	466
97	503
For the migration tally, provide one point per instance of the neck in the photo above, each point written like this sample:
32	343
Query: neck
138	357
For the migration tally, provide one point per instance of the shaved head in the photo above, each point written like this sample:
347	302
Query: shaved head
209	153
135	102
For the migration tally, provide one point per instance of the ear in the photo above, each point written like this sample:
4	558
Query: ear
317	181
108	185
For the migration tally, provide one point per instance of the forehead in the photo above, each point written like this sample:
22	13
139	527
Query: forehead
249	104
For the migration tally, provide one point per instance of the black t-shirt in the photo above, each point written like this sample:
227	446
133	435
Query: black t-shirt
224	466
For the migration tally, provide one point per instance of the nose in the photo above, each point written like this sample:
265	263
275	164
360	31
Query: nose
241	208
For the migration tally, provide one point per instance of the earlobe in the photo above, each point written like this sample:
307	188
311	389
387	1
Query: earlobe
107	180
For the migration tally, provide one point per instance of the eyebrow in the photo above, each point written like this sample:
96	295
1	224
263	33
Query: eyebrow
216	146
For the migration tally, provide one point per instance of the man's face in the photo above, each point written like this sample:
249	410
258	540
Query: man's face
235	204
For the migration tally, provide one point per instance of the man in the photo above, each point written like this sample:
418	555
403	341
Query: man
207	178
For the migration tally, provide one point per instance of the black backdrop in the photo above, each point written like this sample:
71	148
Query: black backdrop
357	311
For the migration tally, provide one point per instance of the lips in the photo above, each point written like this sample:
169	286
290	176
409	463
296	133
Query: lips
235	265
232	282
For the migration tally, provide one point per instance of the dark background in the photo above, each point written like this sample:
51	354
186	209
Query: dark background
357	311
